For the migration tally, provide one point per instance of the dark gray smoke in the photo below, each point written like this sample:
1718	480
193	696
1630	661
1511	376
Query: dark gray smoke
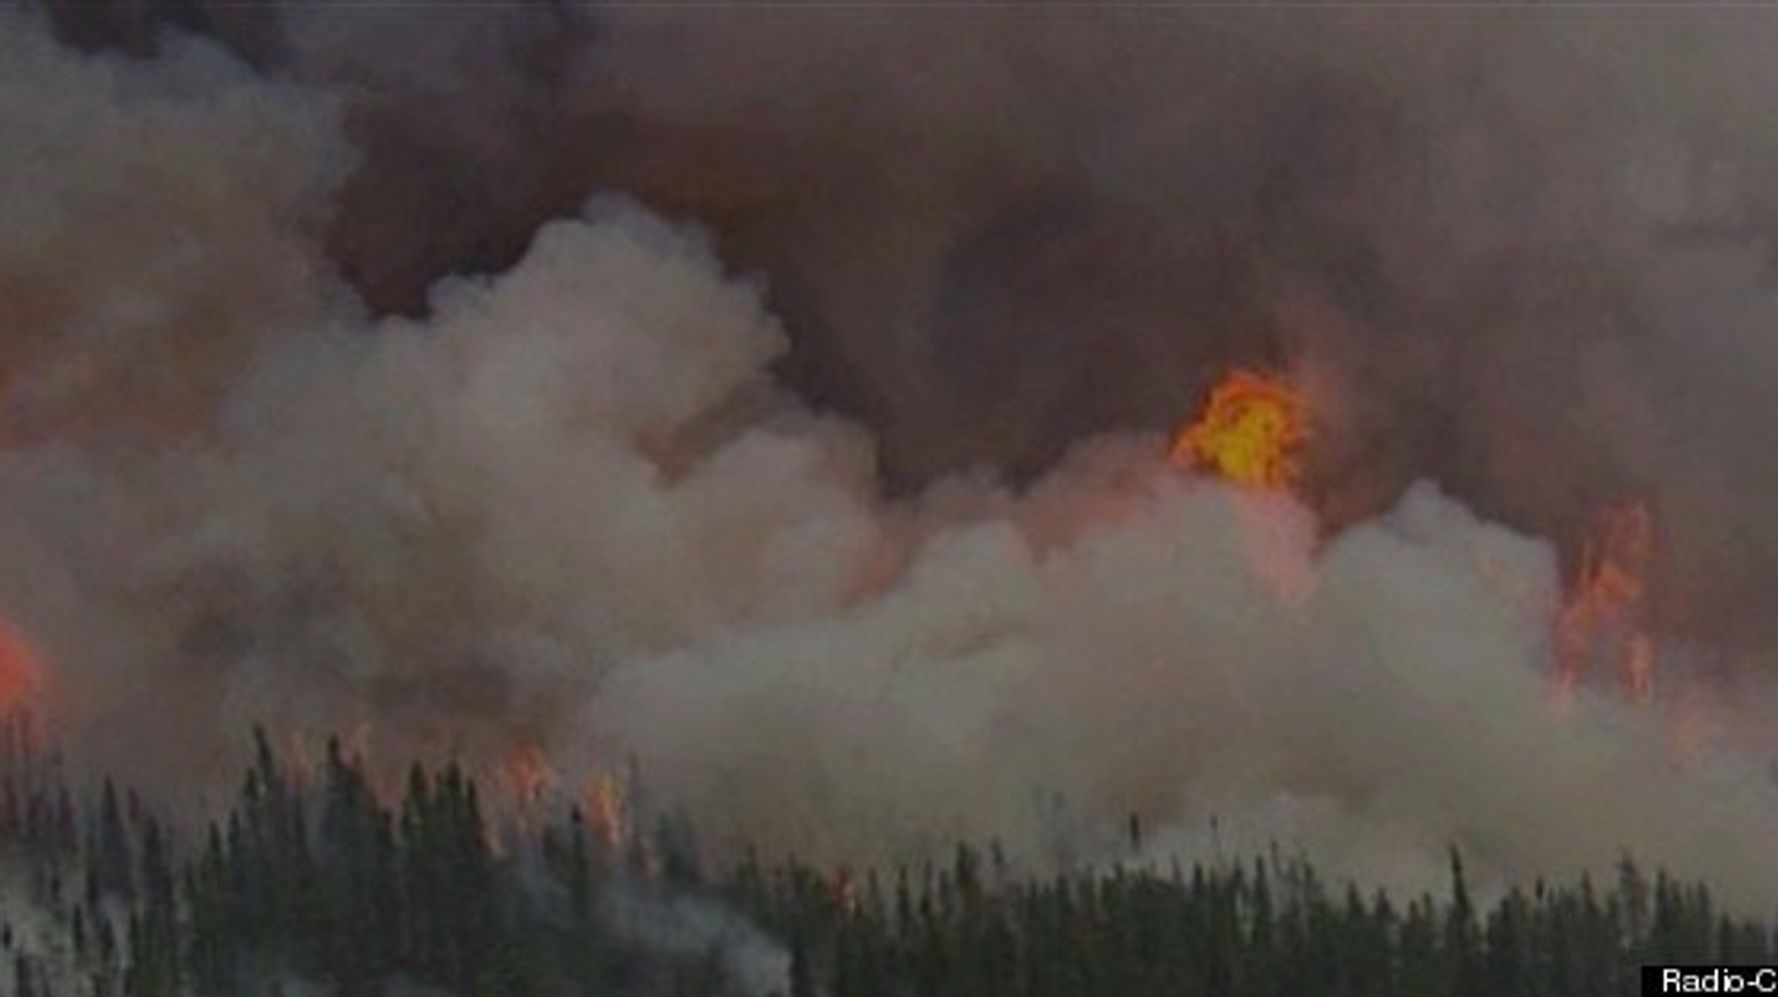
843	509
1525	248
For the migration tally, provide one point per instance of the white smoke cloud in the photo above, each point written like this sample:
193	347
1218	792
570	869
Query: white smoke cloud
688	926
155	221
573	507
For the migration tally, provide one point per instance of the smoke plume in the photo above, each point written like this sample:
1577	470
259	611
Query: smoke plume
777	399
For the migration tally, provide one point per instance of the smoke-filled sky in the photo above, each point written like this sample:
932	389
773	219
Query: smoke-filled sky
777	395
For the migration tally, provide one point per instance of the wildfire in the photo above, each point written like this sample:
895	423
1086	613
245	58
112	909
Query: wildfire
1601	624
528	773
1250	432
607	806
22	700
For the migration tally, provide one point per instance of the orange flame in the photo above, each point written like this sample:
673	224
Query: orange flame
1250	432
528	773
23	703
606	805
1602	620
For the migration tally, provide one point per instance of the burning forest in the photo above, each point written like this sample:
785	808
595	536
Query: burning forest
887	501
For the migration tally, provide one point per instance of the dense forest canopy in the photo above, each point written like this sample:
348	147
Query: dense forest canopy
314	884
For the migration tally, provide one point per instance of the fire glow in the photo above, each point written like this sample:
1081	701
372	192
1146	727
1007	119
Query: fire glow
1250	432
1600	626
22	680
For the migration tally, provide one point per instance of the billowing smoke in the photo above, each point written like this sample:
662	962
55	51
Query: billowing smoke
828	484
1526	249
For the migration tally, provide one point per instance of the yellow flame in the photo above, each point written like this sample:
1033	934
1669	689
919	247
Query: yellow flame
1250	432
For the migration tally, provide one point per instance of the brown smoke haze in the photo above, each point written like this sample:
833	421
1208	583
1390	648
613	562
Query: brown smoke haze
776	395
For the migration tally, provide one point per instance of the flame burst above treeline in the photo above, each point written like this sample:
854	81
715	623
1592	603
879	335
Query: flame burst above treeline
1252	431
1249	432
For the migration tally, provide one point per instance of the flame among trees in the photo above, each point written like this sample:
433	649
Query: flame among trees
323	886
22	676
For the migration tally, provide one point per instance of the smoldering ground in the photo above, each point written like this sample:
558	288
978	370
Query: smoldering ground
829	483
